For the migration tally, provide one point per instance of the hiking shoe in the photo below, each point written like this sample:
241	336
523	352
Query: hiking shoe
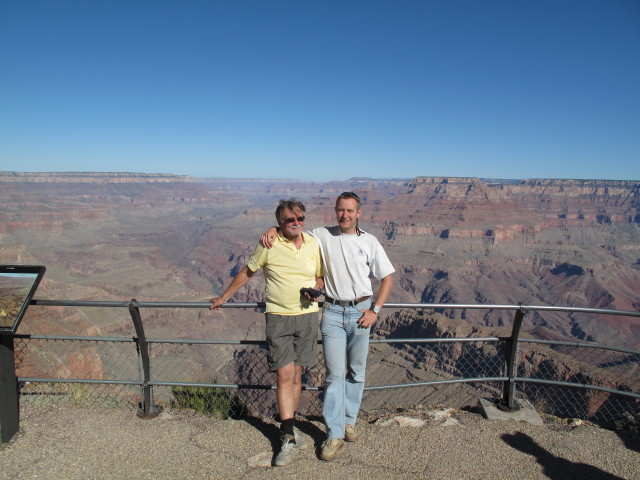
302	442
290	447
330	448
288	451
350	434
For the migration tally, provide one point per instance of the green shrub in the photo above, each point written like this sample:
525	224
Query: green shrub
630	422
79	393
210	401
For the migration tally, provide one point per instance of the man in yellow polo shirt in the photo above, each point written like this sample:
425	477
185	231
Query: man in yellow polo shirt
293	263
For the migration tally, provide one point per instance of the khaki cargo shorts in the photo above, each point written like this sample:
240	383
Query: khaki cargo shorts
291	338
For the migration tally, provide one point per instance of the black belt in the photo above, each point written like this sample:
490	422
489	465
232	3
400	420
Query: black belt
345	303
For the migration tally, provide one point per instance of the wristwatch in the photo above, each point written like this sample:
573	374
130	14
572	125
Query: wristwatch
376	309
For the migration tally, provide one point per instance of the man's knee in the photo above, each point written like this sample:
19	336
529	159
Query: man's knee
297	376
287	374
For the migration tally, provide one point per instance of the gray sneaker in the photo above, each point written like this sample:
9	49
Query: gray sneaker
350	434
302	442
288	450
330	448
290	447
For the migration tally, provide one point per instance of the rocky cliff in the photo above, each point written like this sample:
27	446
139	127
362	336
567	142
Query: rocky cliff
452	240
90	177
563	242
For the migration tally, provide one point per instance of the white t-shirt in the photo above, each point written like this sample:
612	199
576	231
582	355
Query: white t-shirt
348	261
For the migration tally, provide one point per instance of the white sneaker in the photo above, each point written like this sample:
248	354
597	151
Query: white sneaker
302	442
290	448
288	451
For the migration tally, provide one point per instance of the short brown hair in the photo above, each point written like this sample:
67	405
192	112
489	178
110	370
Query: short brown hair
349	195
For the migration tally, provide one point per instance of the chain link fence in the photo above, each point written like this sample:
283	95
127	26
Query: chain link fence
231	378
579	380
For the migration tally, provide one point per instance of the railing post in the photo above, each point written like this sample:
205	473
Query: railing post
9	405
508	396
146	408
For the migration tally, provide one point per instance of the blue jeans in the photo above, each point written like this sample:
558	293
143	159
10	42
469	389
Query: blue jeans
346	346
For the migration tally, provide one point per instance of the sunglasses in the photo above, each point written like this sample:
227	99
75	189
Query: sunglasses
349	195
292	219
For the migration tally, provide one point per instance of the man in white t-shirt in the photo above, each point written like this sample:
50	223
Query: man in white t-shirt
349	256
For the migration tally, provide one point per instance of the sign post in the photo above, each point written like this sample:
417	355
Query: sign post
9	411
18	283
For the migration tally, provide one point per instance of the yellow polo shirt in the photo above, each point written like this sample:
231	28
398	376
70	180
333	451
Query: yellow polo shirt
286	271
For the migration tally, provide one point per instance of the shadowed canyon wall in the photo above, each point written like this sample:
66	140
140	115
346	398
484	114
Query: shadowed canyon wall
455	240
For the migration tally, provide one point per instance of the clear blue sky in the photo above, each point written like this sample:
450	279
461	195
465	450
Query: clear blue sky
322	90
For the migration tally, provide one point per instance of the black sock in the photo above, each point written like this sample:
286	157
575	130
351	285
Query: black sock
287	427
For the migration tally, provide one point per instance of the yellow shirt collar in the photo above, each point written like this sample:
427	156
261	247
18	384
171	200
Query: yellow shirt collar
284	239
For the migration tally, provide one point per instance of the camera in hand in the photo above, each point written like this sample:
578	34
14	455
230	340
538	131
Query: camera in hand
311	291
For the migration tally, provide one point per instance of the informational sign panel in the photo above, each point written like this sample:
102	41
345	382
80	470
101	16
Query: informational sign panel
18	283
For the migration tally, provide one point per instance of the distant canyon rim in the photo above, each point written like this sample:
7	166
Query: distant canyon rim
117	236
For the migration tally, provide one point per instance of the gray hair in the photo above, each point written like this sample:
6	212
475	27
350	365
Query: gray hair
291	204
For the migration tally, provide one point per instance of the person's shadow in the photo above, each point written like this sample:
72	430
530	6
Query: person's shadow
556	467
630	440
274	435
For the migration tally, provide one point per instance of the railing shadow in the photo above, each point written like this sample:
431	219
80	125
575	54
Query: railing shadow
554	467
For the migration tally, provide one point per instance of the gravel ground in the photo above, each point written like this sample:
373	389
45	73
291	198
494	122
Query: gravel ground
65	442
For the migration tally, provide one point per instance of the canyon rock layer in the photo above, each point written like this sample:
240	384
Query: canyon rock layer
452	240
572	243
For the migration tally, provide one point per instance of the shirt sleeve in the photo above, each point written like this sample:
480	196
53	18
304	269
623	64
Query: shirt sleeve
258	258
319	266
381	265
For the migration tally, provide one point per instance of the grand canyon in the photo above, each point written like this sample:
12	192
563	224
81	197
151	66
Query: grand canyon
452	240
118	236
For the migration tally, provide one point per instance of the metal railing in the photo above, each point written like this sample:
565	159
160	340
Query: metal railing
226	377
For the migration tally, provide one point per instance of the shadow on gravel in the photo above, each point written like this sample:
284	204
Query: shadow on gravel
631	440
556	468
269	430
272	432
